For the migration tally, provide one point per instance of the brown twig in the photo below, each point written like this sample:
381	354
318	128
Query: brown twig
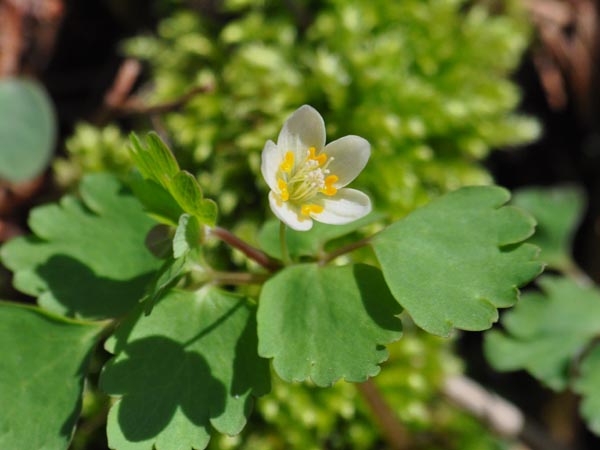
550	10
11	38
393	431
120	90
120	102
251	252
28	30
124	81
566	55
135	106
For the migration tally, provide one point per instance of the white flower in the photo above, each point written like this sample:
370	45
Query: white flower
307	177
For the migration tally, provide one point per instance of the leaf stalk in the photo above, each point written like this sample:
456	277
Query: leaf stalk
251	252
328	257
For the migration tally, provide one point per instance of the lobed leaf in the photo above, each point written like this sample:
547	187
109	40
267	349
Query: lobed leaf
452	263
546	331
159	204
27	129
44	360
327	323
172	270
87	257
166	190
189	366
187	236
558	212
156	161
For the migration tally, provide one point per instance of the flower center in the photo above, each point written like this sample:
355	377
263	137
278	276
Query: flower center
300	181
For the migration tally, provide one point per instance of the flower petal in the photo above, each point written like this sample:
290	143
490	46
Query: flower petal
346	206
286	213
350	156
305	128
270	160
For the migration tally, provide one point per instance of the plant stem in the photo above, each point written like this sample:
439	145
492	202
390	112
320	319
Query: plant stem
343	250
394	433
251	252
133	106
282	239
238	278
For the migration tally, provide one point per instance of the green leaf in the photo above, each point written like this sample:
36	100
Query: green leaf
558	211
190	365
327	323
455	261
158	203
187	192
88	257
155	161
27	129
545	332
187	236
311	242
168	191
588	386
44	360
167	277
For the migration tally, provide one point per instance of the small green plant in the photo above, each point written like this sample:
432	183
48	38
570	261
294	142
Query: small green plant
189	356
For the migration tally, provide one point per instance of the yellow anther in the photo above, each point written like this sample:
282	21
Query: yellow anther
329	189
283	190
308	209
288	162
321	159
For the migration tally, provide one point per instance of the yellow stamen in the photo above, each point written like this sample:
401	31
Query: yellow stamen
329	189
308	209
288	162
321	159
283	190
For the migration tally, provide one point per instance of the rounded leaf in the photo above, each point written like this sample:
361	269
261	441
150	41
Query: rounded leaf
27	129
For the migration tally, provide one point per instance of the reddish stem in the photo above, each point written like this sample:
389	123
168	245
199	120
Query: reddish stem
251	252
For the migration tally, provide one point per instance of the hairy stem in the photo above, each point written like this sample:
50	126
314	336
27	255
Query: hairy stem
251	252
328	257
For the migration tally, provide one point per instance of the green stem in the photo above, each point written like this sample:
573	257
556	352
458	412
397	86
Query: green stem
284	250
